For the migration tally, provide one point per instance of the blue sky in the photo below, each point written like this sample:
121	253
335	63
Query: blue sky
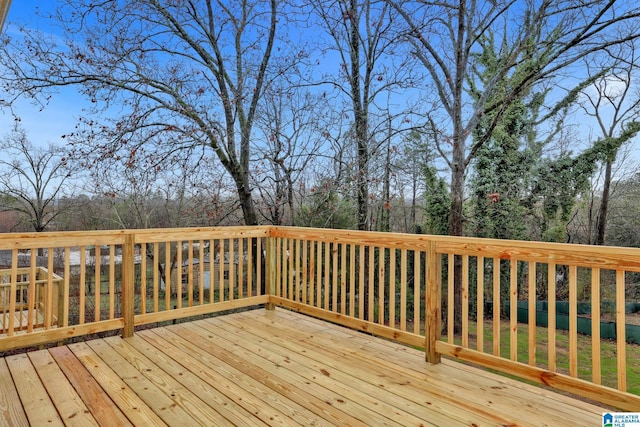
59	117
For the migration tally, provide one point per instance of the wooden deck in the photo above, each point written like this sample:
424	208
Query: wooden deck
20	320
265	368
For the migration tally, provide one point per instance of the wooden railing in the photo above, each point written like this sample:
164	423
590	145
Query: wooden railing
398	286
117	280
29	299
403	287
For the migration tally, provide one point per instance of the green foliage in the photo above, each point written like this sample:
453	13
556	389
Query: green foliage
559	181
517	193
623	229
504	161
437	203
327	209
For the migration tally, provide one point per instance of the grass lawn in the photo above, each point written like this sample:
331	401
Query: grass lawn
608	352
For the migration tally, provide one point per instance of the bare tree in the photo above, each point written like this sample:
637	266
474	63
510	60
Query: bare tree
141	196
551	35
192	72
32	180
293	123
363	41
613	101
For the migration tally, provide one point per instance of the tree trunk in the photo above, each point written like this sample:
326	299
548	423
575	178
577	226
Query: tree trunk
246	201
385	222
456	221
604	206
455	229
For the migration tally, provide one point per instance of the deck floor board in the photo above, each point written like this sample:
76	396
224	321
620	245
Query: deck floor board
480	391
21	321
350	400
266	368
399	388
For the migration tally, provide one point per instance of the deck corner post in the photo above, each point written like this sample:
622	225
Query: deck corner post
433	318
271	271
128	283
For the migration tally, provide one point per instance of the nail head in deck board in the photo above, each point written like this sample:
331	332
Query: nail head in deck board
71	408
37	405
11	411
101	406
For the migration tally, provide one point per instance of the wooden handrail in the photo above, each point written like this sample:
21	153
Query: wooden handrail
372	290
388	284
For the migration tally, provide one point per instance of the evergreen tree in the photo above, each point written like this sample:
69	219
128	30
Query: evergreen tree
437	202
327	208
560	180
436	189
504	163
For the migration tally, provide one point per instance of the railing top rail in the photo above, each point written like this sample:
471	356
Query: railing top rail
605	257
9	241
373	238
200	233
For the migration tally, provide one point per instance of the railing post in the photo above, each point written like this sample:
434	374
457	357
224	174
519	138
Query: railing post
270	267
128	283
433	317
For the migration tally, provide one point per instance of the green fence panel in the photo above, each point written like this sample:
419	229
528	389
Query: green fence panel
584	324
633	334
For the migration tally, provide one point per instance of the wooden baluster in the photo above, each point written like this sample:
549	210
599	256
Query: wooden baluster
551	313
480	303
513	309
621	336
532	312
433	325
465	301
392	287
381	262
573	321
416	292
128	284
112	280
403	289
496	307
596	366
450	298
